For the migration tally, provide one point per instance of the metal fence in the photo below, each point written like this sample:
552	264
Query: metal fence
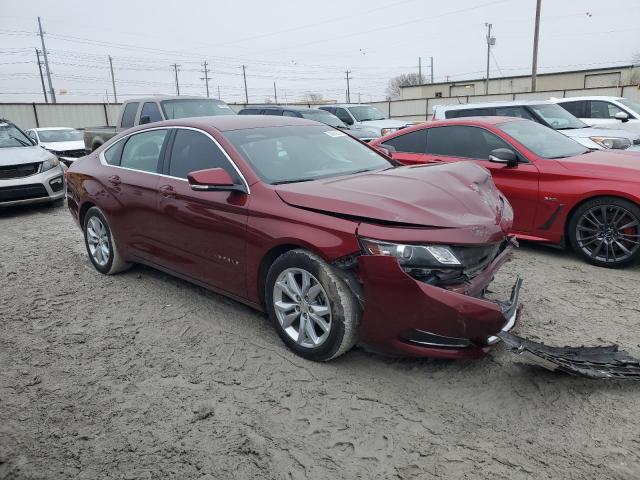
82	115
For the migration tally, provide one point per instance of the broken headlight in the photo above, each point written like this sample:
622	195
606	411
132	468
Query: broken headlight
413	256
618	143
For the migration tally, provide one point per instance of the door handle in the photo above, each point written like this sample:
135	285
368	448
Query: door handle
115	180
167	191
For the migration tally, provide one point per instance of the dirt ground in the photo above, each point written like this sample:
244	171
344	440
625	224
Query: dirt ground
141	375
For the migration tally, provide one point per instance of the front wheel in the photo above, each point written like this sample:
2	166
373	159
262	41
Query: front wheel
310	306
606	232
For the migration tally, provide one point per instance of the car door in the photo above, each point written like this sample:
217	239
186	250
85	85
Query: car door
203	232
519	184
132	179
602	113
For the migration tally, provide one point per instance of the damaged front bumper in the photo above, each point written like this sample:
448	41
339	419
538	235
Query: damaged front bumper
405	316
591	362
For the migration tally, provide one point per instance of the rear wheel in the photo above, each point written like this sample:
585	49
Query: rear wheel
311	307
101	246
606	232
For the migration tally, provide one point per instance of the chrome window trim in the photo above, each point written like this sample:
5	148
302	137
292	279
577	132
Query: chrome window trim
104	162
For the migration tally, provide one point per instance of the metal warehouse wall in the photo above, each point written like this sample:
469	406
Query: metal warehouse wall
77	115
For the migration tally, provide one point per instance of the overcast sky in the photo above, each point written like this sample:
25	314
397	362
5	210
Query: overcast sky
303	46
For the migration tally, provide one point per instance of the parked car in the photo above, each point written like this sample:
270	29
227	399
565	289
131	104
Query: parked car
561	192
322	116
141	111
336	242
28	173
65	143
607	112
550	115
357	115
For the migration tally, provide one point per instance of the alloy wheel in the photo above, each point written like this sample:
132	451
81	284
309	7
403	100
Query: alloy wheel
302	307
98	241
608	233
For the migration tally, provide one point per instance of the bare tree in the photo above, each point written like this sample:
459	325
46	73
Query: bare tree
311	97
402	80
636	58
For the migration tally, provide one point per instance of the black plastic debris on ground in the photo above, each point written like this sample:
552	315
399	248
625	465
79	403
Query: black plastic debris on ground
591	362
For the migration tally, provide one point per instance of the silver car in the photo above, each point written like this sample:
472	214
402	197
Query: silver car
28	173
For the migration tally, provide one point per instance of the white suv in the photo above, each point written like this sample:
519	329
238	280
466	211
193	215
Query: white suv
549	114
365	117
606	112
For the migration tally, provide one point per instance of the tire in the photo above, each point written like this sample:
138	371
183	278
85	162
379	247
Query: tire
332	302
108	260
605	231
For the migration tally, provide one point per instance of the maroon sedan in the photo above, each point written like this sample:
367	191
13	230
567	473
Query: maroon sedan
336	242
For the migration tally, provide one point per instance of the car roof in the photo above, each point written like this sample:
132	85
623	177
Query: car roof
348	105
586	97
512	103
153	98
226	123
493	120
295	108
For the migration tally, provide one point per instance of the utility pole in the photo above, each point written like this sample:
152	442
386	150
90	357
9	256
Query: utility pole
490	42
420	70
113	80
244	74
46	63
175	69
218	92
44	90
534	63
275	93
348	94
206	77
431	69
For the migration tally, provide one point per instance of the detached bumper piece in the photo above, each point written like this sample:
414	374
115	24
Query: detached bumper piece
590	362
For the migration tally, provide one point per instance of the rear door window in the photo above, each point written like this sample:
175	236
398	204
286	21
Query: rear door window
463	141
470	112
601	109
113	153
129	115
576	108
142	151
193	151
288	113
412	142
519	112
271	111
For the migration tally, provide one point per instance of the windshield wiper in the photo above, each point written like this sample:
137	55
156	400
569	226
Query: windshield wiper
296	180
22	142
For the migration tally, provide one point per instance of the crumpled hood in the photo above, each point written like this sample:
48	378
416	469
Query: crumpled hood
21	155
454	195
63	146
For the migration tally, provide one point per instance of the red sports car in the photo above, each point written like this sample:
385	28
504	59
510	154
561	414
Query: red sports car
337	243
560	191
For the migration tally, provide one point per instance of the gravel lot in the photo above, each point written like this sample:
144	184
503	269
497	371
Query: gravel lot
145	376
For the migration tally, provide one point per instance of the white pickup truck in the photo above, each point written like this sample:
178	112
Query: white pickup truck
154	109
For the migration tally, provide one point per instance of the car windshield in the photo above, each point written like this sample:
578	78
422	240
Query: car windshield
541	140
194	107
11	136
323	117
635	106
292	154
53	136
557	117
365	113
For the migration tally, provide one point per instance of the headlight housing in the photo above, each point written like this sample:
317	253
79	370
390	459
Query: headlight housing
413	256
618	143
50	163
385	131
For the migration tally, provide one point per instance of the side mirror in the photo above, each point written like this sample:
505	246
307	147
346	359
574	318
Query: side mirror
145	119
386	150
213	179
504	155
622	116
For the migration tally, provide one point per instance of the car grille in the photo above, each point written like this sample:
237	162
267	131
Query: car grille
18	171
476	259
22	192
72	153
